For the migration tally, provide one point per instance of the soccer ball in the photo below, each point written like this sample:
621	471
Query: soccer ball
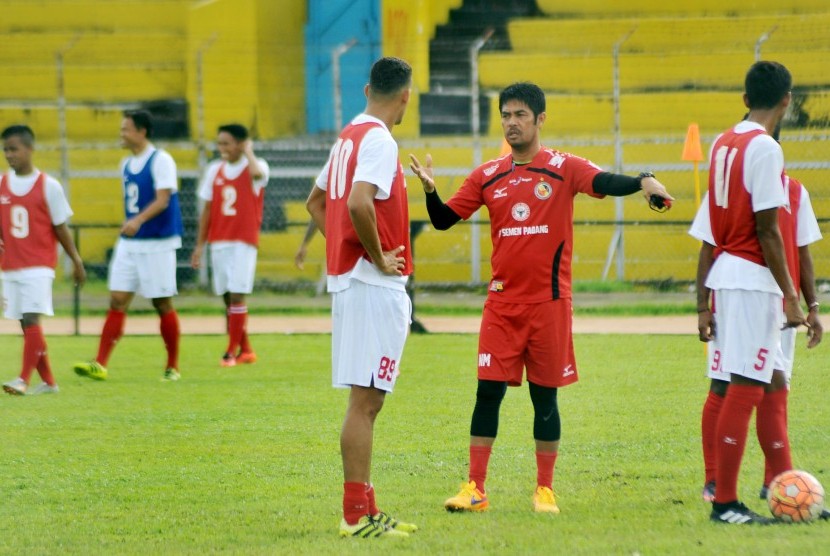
795	496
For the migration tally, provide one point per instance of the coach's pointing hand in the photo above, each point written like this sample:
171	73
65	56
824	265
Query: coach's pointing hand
424	173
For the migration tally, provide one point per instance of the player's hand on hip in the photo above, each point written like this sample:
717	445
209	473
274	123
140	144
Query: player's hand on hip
815	330
392	263
424	172
651	186
130	227
705	326
792	312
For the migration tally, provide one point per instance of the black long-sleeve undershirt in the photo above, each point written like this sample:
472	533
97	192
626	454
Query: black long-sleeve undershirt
616	185
443	217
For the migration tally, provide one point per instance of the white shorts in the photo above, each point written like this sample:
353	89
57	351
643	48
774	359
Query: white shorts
748	335
234	266
32	295
151	275
369	329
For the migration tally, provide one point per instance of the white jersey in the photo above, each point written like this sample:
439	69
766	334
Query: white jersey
232	171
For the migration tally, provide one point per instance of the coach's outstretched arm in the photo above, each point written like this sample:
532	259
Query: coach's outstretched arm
441	216
619	185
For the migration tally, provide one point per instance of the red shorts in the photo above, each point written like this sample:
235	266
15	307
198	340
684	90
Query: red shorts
536	336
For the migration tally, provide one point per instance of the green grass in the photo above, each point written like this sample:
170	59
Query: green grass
246	460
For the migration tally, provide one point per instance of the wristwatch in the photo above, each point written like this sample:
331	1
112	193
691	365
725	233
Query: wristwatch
645	175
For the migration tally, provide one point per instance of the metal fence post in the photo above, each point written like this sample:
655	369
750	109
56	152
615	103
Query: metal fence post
617	243
336	53
475	126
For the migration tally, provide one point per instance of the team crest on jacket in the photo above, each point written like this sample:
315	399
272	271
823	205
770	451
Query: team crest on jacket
542	190
520	212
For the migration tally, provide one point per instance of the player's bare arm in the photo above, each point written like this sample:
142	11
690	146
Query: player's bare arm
162	200
424	172
705	320
201	238
65	239
364	219
808	289
316	207
253	163
302	250
772	246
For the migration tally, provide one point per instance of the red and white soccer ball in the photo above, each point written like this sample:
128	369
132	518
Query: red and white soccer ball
795	496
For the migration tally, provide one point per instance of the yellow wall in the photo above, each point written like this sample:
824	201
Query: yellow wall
86	15
224	32
281	67
252	67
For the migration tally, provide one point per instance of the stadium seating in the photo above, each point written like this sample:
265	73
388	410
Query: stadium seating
678	63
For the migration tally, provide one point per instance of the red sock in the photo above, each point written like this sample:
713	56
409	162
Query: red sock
237	319
370	495
112	332
169	326
244	343
545	461
44	369
708	428
355	502
34	345
733	425
479	458
771	425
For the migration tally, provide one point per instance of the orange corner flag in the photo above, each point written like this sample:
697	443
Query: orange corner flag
691	148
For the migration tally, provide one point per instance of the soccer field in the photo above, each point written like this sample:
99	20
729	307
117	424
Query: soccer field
246	460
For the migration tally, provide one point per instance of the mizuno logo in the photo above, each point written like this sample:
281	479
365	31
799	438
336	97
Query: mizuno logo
569	370
4	200
730	440
500	192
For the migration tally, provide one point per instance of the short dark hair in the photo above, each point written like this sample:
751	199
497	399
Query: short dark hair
142	120
528	93
27	136
389	75
766	84
237	131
